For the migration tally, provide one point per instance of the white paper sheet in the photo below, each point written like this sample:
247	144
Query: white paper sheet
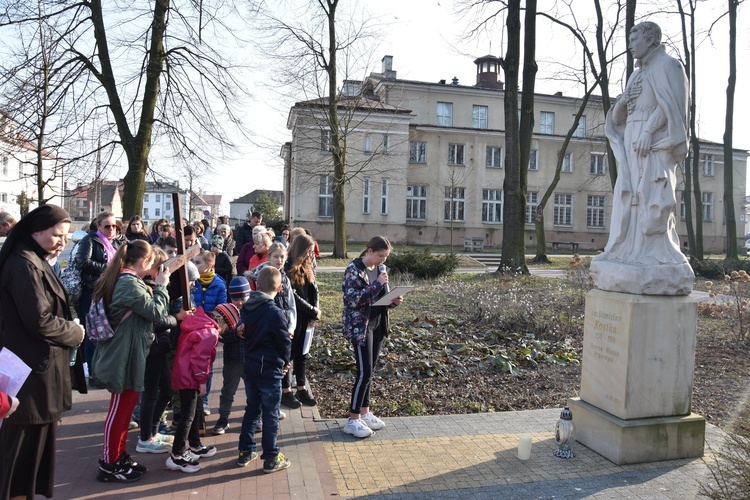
398	291
13	373
308	339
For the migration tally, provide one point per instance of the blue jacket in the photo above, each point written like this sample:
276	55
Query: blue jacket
268	347
212	296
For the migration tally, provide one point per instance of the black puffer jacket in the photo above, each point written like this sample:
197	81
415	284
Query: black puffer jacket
92	258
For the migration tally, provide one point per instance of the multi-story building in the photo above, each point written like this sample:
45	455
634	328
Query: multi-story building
241	207
157	201
425	162
204	206
85	201
18	175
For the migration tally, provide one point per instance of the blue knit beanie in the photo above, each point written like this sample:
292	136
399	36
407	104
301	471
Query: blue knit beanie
239	288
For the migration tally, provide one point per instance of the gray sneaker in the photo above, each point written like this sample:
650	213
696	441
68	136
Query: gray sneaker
246	457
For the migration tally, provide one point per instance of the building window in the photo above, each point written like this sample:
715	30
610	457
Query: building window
492	205
158	198
534	159
367	144
479	116
494	157
325	196
455	154
145	213
445	114
563	210
581	129
366	195
384	197
595	211
418	152
168	206
567	164
708	207
5	166
145	198
598	164
546	122
416	202
4	197
682	205
157	212
325	140
386	143
708	165
532	202
455	202
20	169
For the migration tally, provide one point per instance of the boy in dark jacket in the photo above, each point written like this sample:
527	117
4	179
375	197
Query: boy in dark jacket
267	352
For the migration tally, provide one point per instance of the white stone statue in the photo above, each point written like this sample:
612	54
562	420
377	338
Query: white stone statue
647	129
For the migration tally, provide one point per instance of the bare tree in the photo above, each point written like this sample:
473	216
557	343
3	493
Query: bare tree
181	95
731	222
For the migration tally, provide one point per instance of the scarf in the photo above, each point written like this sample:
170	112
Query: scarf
108	248
206	278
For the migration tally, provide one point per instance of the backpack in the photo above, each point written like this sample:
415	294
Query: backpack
98	329
71	279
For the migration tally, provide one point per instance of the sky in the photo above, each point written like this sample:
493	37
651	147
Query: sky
428	42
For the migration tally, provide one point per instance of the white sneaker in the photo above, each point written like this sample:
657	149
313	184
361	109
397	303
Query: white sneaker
282	415
164	438
371	421
152	446
357	428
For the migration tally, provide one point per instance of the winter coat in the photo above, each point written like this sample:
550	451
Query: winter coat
36	325
224	267
212	296
285	298
244	235
92	258
196	351
120	363
359	294
268	347
247	251
229	246
306	302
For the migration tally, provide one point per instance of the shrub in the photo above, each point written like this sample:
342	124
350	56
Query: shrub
710	269
422	265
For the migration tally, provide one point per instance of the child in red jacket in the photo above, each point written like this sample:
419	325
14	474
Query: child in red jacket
196	351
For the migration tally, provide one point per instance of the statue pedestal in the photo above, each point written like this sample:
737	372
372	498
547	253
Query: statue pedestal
637	378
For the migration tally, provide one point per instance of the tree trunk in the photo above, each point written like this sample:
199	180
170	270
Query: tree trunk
688	42
601	52
731	222
513	255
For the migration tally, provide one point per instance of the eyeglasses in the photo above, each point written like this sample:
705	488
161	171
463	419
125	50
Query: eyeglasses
165	228
109	226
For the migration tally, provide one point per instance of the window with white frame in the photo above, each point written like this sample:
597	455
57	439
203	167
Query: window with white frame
445	114
567	164
708	165
418	152
20	169
532	202
682	205
145	197
479	116
4	197
494	156
416	202
534	159
365	195
384	196
386	143
708	207
158	198
145	213
326	140
546	122
168	205
455	203
595	211
157	212
598	164
492	205
367	144
325	196
455	154
581	129
563	210
5	166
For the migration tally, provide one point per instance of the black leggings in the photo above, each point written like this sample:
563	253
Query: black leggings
157	392
366	357
299	360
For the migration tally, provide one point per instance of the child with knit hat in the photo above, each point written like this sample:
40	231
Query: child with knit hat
196	351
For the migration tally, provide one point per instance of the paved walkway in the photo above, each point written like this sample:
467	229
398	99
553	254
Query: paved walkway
453	456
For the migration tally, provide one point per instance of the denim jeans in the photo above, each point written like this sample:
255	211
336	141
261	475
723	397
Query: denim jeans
263	397
232	372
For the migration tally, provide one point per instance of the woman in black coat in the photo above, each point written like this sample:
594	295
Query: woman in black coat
38	327
95	251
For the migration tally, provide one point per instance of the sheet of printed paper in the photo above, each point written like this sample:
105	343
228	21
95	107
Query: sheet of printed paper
13	373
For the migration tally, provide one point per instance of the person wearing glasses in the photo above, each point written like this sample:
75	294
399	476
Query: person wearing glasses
95	251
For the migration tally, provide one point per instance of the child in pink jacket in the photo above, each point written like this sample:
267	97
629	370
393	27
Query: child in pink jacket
196	350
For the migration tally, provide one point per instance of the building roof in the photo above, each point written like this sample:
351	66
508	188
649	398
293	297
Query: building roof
254	196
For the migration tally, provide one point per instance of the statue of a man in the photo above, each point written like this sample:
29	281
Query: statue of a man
647	129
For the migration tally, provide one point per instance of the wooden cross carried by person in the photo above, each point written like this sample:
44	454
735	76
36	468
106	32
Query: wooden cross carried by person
177	263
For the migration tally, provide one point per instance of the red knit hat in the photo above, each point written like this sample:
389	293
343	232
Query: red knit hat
230	313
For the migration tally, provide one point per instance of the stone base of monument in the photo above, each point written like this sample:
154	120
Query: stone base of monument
637	440
637	378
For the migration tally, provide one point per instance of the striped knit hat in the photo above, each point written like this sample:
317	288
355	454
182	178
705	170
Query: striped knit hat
239	288
230	313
